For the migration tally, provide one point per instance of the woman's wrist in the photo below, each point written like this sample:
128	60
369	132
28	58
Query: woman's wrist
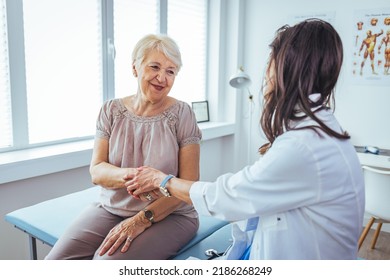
144	220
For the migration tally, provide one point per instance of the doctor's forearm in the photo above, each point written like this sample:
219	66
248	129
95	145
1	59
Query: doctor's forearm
180	189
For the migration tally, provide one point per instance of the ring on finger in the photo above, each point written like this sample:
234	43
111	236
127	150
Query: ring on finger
129	239
148	197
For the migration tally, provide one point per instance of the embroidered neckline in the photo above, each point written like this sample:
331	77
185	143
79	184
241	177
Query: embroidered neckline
126	112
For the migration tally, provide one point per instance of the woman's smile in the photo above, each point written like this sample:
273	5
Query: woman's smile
157	87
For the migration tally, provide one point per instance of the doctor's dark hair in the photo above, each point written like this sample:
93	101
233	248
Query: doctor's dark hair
305	59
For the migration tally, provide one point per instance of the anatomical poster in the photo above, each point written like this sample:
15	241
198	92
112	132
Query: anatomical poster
371	47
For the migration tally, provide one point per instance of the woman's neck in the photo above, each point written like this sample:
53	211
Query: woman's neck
143	107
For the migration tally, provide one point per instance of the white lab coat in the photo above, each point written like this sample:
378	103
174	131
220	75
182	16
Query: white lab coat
304	199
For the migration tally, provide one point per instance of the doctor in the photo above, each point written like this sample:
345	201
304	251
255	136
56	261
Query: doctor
304	198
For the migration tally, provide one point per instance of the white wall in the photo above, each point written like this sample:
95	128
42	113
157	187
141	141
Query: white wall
361	109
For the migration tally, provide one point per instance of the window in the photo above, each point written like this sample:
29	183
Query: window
184	21
68	56
5	97
127	31
63	68
187	25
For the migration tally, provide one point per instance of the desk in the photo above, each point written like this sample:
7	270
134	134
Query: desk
382	160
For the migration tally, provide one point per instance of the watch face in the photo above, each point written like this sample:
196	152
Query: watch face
149	215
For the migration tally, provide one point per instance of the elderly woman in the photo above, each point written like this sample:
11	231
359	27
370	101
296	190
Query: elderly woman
147	128
304	198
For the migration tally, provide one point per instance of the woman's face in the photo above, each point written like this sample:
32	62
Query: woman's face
156	76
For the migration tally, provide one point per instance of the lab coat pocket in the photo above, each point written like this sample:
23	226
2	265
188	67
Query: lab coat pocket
273	222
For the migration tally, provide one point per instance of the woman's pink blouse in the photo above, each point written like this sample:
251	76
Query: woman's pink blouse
136	141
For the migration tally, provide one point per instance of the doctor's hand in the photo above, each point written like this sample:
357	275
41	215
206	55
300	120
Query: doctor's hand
123	234
146	181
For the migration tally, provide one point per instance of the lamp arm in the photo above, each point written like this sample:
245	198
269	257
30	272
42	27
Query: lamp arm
250	95
250	104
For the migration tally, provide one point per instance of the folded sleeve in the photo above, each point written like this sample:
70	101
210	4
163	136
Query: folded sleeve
188	131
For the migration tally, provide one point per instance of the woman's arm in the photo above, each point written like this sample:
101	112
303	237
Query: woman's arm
130	228
104	173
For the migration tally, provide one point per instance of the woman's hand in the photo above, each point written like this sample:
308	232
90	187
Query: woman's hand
145	182
124	233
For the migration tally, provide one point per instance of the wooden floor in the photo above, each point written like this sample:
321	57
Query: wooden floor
382	247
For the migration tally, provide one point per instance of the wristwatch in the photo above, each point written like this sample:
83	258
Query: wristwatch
149	215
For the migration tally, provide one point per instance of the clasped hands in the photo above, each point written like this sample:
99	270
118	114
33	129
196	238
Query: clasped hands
145	183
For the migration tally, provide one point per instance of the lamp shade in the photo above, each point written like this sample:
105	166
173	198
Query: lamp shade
240	80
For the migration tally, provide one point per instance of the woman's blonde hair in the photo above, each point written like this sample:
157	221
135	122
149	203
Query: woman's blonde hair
158	42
